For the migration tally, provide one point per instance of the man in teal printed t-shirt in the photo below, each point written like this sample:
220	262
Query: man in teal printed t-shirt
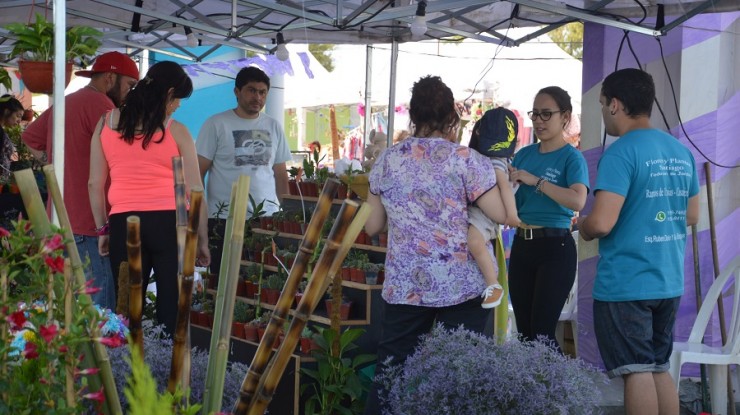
646	193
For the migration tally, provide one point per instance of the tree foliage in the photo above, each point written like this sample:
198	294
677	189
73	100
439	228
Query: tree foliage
570	39
322	53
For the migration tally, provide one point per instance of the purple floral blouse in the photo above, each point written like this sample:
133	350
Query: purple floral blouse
425	185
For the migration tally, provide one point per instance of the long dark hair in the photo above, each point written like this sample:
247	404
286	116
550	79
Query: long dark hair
8	105
432	106
145	108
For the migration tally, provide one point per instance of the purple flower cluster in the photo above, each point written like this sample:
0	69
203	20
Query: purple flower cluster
461	372
158	356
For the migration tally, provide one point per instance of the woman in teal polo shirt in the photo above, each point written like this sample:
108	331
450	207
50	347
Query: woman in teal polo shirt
554	183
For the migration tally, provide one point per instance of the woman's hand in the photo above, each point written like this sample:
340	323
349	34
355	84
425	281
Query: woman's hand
203	256
103	242
523	176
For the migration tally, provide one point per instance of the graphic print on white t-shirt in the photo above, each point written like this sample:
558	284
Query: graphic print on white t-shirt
252	148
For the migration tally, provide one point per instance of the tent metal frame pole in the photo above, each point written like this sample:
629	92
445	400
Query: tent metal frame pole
368	93
392	92
60	64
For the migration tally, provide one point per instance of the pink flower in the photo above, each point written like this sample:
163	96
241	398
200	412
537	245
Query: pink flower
55	243
89	289
4	232
98	396
114	341
86	372
63	348
55	264
17	320
49	332
30	351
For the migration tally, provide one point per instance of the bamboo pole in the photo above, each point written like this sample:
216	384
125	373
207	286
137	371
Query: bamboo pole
706	406
225	296
136	296
501	321
181	223
180	366
95	354
3	325
715	263
330	259
69	368
334	133
280	313
32	201
123	289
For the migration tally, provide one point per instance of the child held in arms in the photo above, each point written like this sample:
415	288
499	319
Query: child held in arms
494	136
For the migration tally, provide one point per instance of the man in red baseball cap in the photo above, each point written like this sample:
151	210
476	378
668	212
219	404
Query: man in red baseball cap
112	75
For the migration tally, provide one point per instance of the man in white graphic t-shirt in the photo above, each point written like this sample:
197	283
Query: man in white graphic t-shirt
239	141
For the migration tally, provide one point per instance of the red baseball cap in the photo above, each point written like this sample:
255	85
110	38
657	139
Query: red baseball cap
115	62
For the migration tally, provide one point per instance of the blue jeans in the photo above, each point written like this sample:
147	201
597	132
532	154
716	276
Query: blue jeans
97	268
635	336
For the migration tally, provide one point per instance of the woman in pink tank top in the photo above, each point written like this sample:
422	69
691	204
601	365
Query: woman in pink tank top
134	147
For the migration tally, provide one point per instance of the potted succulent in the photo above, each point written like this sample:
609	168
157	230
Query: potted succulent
242	314
371	273
34	48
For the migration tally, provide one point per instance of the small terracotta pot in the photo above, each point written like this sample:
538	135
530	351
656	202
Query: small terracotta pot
237	329
241	289
305	345
250	332
293	187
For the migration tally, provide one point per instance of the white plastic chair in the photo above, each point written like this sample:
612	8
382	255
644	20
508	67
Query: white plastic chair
716	358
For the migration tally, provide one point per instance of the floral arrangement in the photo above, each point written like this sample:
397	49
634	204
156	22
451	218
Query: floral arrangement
461	372
45	325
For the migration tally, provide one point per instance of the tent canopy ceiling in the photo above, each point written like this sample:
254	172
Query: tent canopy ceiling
254	24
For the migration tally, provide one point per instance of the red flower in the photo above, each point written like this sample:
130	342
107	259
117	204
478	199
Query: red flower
4	232
49	332
17	320
63	348
55	243
55	264
30	351
98	396
114	341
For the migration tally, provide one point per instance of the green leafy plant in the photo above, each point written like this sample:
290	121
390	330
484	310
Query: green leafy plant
5	79
41	339
257	209
35	41
338	387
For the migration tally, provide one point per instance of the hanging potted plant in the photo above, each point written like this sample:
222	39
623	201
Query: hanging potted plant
34	48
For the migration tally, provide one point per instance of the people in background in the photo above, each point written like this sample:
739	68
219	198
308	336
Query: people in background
112	76
11	112
646	194
494	136
242	141
134	147
553	178
420	189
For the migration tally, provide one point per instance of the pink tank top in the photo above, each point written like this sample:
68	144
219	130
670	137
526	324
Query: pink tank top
141	179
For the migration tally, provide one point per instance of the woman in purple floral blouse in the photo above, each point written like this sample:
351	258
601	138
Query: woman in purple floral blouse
421	189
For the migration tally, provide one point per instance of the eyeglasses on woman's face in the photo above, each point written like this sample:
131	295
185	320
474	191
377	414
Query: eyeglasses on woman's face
544	115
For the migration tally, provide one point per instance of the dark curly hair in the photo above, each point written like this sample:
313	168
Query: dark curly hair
145	108
633	87
432	107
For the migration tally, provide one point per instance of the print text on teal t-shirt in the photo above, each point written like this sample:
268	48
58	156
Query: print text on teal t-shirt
643	256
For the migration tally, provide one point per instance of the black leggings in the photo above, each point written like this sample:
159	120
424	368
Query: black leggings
541	274
158	252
